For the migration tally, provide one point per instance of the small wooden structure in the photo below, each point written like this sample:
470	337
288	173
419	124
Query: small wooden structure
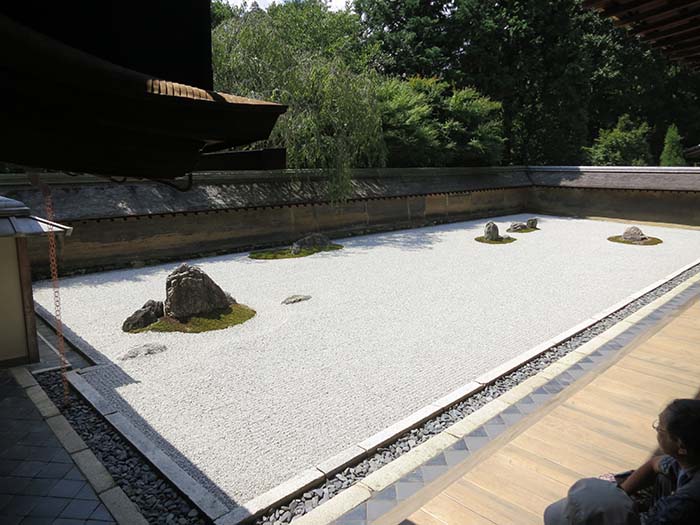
669	25
17	325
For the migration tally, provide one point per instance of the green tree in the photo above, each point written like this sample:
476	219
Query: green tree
411	133
428	123
475	128
220	11
672	154
526	54
414	35
333	122
624	145
561	72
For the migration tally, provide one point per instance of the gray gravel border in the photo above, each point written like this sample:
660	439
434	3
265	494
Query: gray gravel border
154	495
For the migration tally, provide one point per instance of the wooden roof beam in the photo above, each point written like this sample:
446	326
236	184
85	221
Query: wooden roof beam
676	40
688	27
680	46
684	52
595	4
613	9
687	59
660	12
690	58
680	19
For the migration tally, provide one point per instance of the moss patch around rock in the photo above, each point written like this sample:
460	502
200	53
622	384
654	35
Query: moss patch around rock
651	241
236	314
504	240
286	253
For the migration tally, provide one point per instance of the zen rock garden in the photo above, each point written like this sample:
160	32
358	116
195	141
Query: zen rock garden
634	235
193	303
308	245
343	339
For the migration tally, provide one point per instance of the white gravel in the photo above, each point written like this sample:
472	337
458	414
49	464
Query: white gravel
396	320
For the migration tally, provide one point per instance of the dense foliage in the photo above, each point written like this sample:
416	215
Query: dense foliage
561	72
342	112
624	145
428	123
304	56
672	154
452	82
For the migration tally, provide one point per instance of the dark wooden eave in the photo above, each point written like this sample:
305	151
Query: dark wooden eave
64	109
673	26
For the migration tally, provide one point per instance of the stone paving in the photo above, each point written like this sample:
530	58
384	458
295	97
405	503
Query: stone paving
39	482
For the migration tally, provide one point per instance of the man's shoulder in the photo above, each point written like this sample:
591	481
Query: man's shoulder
669	466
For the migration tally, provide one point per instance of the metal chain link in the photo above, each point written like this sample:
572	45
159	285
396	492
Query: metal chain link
53	263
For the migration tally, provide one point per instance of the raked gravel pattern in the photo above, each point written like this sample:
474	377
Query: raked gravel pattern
396	320
333	486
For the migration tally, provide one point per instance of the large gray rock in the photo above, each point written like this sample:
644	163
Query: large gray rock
491	232
189	292
634	234
314	240
517	227
148	314
532	223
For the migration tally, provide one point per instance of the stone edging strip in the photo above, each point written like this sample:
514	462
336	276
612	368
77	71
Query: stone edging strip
458	441
360	491
205	501
119	505
78	343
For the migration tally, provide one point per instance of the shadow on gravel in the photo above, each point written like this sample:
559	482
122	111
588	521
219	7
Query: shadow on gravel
155	495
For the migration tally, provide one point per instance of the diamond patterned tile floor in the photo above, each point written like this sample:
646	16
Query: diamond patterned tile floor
39	482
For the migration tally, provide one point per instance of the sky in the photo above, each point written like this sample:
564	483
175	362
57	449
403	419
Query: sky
335	4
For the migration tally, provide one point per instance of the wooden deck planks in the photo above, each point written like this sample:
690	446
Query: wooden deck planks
604	426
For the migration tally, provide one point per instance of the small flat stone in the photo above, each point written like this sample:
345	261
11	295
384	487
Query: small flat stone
296	299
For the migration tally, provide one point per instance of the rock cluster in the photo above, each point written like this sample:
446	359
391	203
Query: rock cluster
312	241
188	292
634	234
530	224
491	233
148	314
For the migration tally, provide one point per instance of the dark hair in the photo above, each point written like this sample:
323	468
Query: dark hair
683	421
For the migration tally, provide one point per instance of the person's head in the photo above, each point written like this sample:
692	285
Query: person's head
678	430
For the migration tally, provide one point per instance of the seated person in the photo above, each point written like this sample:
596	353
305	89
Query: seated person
673	477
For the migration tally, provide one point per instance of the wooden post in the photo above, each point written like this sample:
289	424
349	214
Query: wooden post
25	279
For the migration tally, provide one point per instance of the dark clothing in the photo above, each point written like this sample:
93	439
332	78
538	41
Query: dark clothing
677	496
